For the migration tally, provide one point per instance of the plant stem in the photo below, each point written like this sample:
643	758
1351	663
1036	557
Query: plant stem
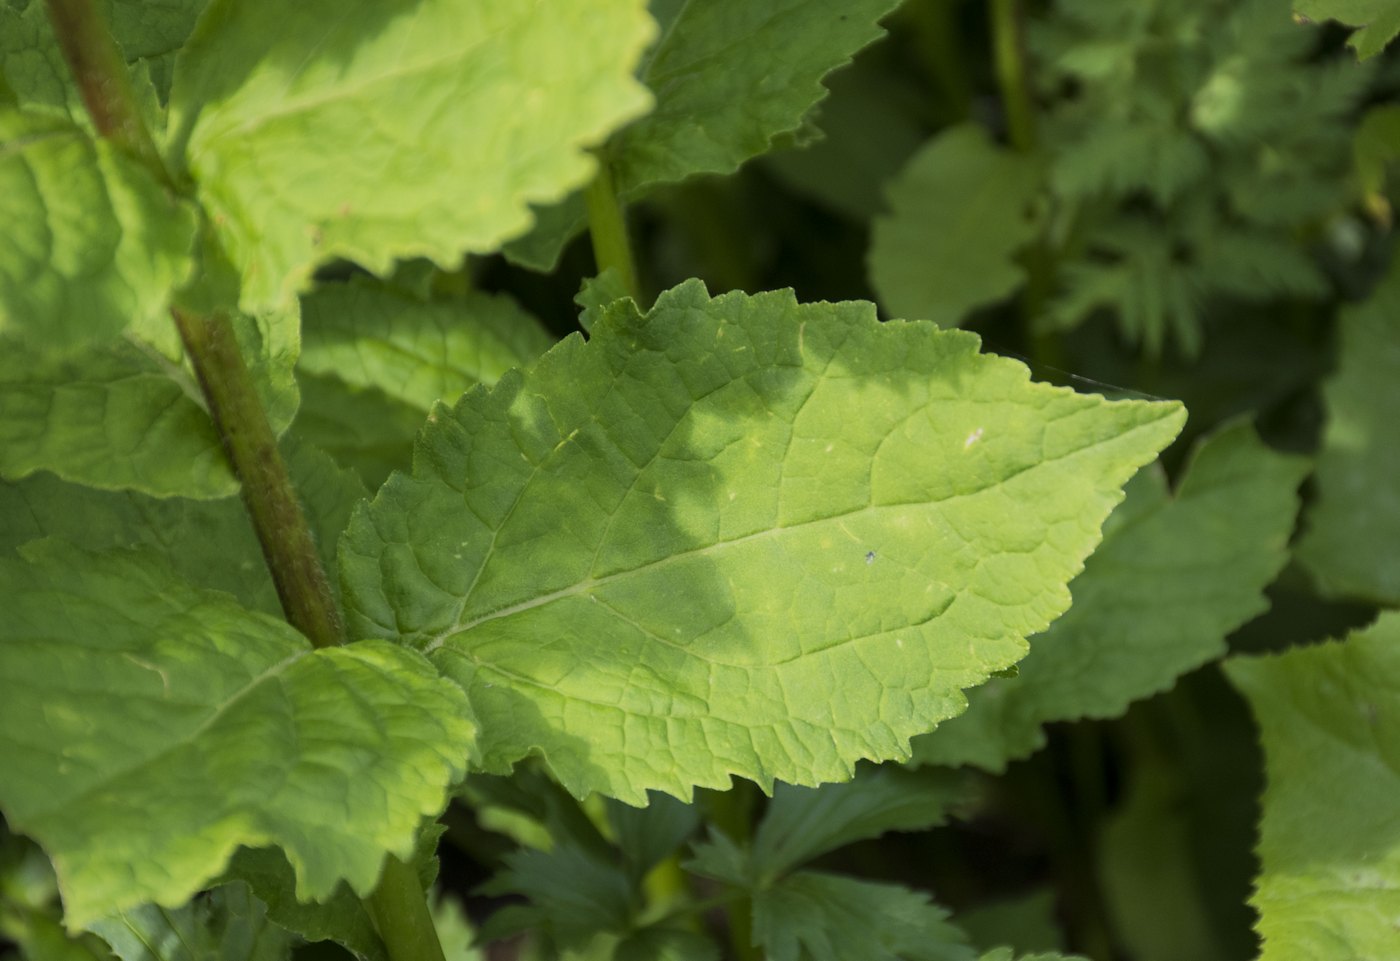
607	228
1009	50
100	71
251	446
938	47
401	914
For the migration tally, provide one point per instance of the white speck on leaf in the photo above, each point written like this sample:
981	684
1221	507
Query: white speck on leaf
972	438
870	557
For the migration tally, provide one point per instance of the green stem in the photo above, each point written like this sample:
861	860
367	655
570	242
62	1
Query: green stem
398	905
939	49
99	70
401	915
607	227
251	446
1009	51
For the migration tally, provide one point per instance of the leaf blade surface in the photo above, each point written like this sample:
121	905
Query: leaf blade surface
149	729
677	553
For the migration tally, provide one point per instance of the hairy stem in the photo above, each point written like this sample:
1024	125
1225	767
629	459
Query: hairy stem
251	446
99	69
401	914
607	228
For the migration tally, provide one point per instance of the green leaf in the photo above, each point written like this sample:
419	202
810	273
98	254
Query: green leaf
1027	922
148	729
811	916
397	172
115	416
1173	577
127	414
340	917
1351	534
760	538
667	944
210	541
648	835
1329	838
1378	20
415	351
803	823
365	430
722	96
94	242
148	33
574	894
960	211
227	925
1007	954
1147	870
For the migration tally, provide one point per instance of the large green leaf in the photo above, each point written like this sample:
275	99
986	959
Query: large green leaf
93	241
371	336
1173	577
123	416
148	729
1378	20
435	123
1354	526
723	94
739	536
1329	838
229	925
959	213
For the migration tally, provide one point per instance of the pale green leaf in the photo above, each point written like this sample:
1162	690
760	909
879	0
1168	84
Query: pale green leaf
228	925
811	916
802	823
1354	524
93	242
210	541
455	931
436	123
148	729
415	351
1378	20
1175	574
128	414
1329	838
959	212
739	536
115	416
730	78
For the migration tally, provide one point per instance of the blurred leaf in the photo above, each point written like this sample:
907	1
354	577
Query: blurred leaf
959	212
1329	837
